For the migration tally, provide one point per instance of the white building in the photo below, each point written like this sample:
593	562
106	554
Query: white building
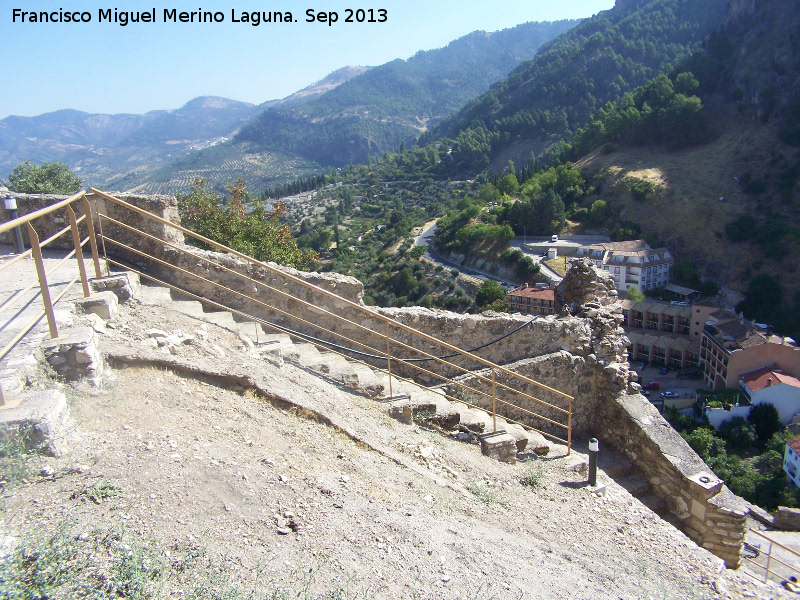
774	387
632	263
791	460
762	386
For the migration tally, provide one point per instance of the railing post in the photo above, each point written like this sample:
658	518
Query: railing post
769	559
36	251
102	237
389	360
494	403
76	241
569	428
87	210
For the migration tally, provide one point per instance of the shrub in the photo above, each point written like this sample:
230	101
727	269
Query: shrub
643	190
47	178
766	420
258	234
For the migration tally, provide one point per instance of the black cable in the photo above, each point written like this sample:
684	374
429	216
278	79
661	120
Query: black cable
305	336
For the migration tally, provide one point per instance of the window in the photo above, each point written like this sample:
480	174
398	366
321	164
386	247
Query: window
616	270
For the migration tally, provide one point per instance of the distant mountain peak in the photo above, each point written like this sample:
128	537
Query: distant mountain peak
327	83
214	102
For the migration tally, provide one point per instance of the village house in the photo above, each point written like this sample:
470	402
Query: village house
531	300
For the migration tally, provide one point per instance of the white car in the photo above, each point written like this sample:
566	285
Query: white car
553	238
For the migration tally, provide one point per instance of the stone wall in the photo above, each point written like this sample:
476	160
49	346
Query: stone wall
44	226
708	512
607	406
566	372
582	352
163	206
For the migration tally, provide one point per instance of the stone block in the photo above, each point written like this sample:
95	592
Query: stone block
74	354
445	420
125	286
787	519
402	411
103	304
705	485
38	421
698	510
500	446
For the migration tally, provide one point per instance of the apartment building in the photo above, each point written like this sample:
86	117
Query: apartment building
661	333
731	346
632	263
531	300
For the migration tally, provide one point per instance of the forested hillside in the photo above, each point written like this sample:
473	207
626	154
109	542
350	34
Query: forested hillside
391	104
723	182
598	61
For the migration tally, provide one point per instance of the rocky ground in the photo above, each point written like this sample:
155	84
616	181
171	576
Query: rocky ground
209	469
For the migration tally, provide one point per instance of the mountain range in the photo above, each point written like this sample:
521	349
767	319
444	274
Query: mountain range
351	113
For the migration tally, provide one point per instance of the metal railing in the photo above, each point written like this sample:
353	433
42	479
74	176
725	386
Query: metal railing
377	344
776	561
42	275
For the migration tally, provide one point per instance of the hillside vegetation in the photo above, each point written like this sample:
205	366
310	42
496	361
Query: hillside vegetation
575	75
390	104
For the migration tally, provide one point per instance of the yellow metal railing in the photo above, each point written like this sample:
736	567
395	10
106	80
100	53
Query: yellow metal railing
776	561
42	275
371	345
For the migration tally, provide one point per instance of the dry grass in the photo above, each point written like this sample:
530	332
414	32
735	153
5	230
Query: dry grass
687	212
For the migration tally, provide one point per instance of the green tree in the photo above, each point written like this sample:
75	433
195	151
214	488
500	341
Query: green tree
600	211
499	305
47	178
739	433
259	233
706	444
634	294
404	282
489	292
508	185
766	420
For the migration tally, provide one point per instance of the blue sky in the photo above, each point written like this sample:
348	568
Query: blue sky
106	68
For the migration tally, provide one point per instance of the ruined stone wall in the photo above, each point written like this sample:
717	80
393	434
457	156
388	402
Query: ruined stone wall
45	226
708	512
327	318
563	371
163	206
581	352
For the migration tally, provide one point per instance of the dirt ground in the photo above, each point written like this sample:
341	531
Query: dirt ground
186	485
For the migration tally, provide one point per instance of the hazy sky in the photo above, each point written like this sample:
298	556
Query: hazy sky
107	68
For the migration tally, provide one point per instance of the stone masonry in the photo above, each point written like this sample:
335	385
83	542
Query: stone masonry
582	352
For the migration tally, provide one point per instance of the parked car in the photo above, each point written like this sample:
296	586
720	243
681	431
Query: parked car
669	394
663	371
645	392
653	385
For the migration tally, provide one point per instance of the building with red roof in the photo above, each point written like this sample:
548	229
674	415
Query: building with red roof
772	386
531	300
